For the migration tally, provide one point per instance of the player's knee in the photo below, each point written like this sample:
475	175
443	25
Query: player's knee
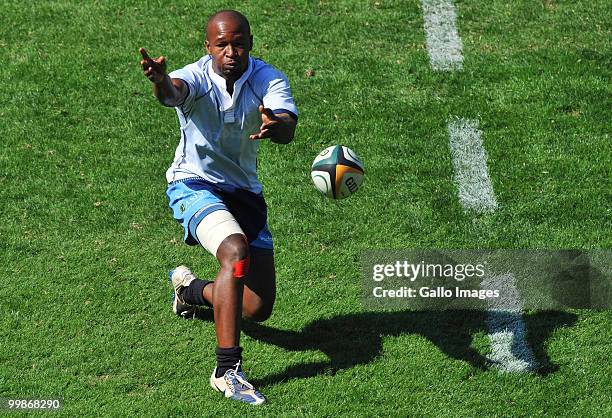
232	249
260	313
234	254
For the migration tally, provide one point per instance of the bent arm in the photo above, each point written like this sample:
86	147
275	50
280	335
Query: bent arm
280	127
286	129
170	92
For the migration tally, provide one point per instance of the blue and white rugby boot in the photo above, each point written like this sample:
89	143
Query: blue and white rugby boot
233	385
181	277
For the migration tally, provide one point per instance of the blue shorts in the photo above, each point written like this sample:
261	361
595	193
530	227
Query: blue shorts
191	200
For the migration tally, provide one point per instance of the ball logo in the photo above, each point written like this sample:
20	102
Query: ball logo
351	184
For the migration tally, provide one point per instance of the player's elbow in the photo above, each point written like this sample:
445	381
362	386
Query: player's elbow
283	139
170	92
168	102
286	135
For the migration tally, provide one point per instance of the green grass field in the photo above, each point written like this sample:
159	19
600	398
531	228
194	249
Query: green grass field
87	239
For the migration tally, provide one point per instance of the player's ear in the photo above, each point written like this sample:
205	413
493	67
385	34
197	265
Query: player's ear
207	45
250	42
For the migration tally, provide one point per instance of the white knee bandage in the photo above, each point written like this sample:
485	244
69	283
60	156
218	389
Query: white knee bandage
214	228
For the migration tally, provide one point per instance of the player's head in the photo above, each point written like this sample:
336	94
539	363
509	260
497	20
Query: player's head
229	41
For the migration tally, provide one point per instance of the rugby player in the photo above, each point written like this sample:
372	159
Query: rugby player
226	102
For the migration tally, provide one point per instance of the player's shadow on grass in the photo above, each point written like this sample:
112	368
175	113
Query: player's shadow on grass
350	340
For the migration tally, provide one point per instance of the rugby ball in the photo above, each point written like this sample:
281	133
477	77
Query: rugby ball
337	172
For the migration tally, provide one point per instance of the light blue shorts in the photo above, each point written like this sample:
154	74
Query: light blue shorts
191	200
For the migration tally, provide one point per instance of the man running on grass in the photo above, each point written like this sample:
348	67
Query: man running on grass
226	103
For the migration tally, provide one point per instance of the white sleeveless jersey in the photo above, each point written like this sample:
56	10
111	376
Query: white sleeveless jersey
215	126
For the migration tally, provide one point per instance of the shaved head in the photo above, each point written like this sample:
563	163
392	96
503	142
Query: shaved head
225	17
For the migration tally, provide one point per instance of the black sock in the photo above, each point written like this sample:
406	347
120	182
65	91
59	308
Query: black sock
227	358
193	294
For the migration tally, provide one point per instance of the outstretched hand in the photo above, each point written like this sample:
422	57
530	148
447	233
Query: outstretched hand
271	124
154	69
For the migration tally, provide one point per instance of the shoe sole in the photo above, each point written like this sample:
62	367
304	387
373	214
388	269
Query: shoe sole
187	313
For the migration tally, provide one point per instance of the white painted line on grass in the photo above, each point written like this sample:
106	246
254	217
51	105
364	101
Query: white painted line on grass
509	349
470	163
443	41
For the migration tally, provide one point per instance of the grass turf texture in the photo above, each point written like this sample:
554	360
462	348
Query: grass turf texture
87	238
